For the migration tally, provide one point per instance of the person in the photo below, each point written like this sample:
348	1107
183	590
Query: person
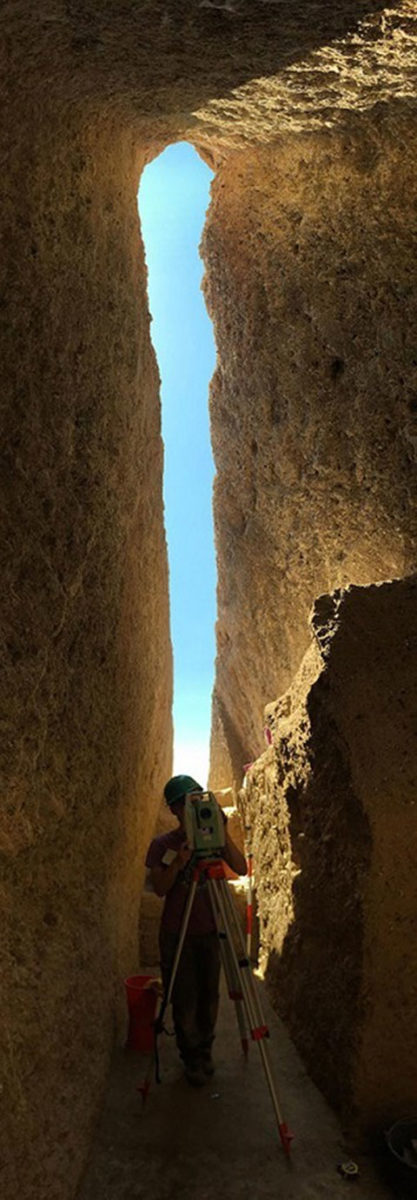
195	996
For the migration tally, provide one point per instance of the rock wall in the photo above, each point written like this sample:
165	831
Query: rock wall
312	287
91	90
226	74
86	728
332	805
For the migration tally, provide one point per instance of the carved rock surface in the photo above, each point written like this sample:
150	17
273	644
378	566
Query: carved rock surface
313	292
86	666
333	806
90	91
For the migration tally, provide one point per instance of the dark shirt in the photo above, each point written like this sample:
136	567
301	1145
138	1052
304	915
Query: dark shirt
201	917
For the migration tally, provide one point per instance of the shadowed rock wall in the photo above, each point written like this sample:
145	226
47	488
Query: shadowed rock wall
89	91
312	287
333	810
86	730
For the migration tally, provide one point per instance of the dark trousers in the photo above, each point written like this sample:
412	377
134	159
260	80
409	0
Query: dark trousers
195	999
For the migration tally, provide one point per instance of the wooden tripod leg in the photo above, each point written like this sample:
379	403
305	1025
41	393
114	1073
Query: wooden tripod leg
232	980
158	1025
181	940
258	1029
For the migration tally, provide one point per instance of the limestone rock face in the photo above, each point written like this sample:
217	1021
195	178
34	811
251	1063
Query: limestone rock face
224	74
332	805
312	288
90	91
86	726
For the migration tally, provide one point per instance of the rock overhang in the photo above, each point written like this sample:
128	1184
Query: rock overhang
223	75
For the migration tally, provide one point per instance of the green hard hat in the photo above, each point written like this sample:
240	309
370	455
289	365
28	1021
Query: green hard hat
178	786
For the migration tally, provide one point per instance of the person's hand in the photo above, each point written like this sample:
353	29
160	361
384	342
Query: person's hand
184	854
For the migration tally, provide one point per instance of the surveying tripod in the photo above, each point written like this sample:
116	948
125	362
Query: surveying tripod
238	973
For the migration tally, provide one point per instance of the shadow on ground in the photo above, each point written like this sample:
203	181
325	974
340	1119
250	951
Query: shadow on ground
220	1139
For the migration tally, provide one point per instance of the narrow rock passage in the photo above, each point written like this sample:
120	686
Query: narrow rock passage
220	1140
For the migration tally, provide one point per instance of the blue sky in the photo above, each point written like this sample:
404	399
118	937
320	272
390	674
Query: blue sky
173	198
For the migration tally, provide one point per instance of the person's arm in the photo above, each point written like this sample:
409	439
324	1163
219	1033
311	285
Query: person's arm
163	878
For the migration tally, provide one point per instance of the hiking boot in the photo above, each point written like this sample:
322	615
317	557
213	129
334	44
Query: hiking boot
207	1063
195	1074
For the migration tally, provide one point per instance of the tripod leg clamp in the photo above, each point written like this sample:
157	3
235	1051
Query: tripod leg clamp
262	1031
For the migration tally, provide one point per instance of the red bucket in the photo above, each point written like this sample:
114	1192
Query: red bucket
141	1003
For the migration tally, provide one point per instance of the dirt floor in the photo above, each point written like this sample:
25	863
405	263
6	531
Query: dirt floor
221	1139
